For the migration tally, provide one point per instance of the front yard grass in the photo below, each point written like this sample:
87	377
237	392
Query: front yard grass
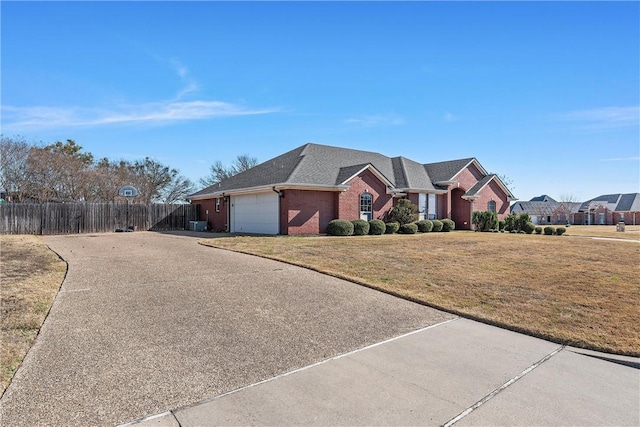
30	277
579	292
632	232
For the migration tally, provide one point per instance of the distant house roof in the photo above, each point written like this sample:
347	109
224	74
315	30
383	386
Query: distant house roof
324	167
615	202
543	198
535	207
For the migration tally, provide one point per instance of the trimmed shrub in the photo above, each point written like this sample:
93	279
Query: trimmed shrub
528	227
538	230
437	225
377	227
484	220
403	212
501	224
360	227
548	231
516	222
424	226
448	225
560	231
392	227
408	229
340	227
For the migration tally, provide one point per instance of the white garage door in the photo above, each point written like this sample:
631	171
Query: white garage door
255	213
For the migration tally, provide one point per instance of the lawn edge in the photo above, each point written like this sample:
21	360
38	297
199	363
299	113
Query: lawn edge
46	316
502	325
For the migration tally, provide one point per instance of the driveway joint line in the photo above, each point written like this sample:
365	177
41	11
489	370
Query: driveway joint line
150	418
495	392
321	362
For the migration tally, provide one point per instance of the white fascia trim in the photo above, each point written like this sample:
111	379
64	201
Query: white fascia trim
421	190
375	172
268	188
311	187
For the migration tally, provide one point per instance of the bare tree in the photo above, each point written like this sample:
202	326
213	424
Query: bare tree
57	172
177	191
13	167
566	205
219	172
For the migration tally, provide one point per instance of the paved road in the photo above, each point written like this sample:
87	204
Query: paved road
155	324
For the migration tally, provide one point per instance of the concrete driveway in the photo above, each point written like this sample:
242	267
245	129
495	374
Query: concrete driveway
147	322
150	324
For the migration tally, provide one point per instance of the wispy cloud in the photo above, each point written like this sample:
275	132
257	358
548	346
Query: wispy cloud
605	118
190	84
151	113
16	118
622	159
376	120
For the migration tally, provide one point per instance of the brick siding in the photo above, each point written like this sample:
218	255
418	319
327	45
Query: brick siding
366	182
307	212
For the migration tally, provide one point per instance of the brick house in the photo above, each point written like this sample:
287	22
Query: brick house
607	209
300	191
610	209
546	210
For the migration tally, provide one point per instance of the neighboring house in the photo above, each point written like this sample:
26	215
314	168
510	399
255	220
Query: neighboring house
546	210
300	191
603	210
610	209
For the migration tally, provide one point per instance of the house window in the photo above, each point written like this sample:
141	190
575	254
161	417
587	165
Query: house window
431	206
217	205
621	216
422	206
491	206
366	206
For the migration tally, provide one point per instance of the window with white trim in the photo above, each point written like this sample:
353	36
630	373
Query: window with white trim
491	206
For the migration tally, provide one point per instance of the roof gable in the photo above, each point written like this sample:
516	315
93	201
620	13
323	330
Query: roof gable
446	171
543	198
629	202
352	171
473	191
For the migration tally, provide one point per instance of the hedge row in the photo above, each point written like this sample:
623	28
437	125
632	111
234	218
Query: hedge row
360	227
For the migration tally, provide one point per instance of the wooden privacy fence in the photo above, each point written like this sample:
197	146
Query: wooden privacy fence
71	218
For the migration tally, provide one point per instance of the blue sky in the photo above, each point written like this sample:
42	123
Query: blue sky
547	94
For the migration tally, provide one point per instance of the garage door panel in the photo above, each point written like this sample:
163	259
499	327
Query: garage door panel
256	213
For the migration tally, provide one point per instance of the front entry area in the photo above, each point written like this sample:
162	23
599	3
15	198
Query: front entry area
460	210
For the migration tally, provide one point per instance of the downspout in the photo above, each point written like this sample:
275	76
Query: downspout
280	196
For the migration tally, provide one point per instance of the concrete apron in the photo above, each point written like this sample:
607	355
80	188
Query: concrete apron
457	372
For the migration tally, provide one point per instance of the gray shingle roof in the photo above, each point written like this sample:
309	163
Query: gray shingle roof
629	202
542	198
321	165
535	207
445	171
478	186
615	202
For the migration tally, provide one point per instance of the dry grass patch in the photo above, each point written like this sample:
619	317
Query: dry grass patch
632	232
581	292
30	278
